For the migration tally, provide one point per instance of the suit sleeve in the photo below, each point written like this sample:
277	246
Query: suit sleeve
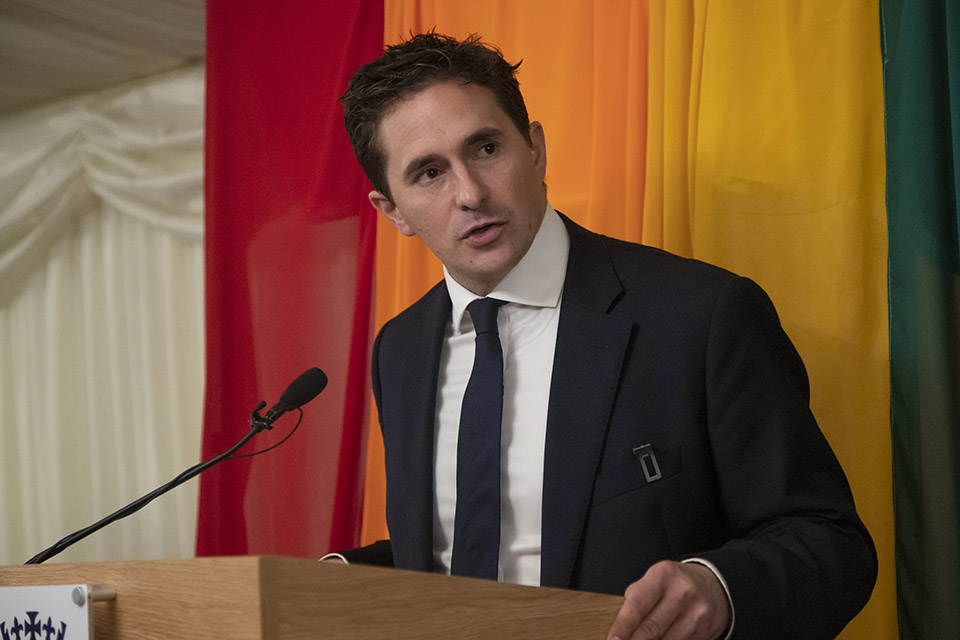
798	561
379	553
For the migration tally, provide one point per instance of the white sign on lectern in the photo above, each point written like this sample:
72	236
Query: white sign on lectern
58	612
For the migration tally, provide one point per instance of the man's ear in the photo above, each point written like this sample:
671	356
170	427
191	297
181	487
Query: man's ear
389	210
538	146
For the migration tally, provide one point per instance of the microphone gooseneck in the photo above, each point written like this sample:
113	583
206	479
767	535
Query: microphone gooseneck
305	388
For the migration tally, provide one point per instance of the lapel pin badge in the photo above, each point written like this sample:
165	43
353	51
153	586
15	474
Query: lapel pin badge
648	461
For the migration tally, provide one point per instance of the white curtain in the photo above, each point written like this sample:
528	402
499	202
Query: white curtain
101	318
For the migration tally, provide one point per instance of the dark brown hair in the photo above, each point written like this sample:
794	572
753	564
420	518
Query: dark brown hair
411	66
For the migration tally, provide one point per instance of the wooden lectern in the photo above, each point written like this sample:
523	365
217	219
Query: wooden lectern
277	597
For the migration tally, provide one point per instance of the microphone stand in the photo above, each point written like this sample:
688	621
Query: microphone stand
257	424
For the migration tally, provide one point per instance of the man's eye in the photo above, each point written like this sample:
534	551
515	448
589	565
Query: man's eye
429	174
490	148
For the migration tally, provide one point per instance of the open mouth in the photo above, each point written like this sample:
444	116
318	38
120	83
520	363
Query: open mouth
483	235
480	230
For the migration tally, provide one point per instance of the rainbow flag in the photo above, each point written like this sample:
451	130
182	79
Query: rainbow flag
812	146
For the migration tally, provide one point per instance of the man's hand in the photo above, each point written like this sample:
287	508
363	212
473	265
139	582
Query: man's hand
673	601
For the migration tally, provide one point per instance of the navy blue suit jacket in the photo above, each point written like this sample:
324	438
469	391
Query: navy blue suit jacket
654	349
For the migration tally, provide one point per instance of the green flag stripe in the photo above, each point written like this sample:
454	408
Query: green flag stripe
921	54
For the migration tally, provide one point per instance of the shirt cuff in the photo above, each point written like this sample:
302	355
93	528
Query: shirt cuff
345	561
726	590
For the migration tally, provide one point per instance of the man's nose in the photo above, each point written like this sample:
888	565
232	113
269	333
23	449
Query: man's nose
471	191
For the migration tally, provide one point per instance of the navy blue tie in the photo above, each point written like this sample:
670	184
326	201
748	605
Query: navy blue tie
476	529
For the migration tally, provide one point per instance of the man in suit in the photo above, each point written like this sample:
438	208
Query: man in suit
656	437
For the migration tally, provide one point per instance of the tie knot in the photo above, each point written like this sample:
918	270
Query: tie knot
483	312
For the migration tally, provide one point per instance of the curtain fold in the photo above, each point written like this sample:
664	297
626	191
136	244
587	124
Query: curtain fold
101	342
921	50
289	272
787	177
53	48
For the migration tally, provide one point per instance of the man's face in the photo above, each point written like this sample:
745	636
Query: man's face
464	180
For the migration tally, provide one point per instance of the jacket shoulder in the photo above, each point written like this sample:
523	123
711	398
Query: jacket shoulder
643	269
434	304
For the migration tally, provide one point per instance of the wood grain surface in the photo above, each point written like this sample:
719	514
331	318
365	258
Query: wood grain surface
276	597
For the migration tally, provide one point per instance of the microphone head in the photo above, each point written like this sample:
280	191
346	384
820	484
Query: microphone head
305	388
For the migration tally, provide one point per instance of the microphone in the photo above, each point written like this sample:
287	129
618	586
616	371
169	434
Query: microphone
305	388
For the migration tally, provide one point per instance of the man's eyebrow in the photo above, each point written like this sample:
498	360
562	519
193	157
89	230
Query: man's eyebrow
481	135
415	165
484	134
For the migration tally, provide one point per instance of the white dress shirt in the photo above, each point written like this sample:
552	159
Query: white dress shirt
528	335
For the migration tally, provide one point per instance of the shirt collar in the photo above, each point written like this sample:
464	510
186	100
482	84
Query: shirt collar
537	280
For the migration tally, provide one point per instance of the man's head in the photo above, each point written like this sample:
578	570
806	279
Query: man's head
408	68
450	164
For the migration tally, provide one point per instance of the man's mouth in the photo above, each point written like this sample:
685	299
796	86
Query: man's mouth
480	230
483	234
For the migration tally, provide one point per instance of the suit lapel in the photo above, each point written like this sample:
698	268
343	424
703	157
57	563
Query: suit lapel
589	355
416	416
